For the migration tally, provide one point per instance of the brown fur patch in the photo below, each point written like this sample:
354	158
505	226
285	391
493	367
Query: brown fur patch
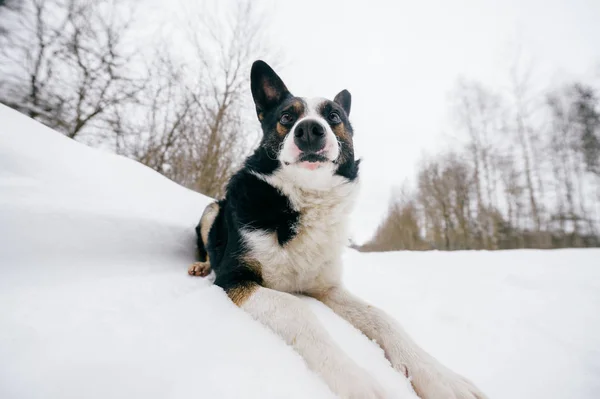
319	295
345	139
253	265
340	132
281	130
298	108
207	220
241	293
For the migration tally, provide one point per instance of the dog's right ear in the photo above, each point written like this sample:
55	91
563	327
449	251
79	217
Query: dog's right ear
268	90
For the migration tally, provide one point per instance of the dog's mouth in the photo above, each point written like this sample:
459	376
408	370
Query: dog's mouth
312	157
311	160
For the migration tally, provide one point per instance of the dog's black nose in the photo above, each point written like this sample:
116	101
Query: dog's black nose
309	136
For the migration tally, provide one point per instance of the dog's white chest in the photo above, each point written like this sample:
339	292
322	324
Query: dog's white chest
310	260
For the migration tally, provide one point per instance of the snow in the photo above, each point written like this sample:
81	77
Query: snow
95	300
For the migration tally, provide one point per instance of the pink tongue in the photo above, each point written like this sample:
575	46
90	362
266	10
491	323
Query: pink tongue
309	165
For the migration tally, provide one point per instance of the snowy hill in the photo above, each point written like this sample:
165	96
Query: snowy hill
95	300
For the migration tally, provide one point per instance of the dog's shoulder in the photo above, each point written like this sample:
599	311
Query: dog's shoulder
255	204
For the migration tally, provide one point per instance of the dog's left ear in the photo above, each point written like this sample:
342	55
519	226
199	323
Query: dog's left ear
268	90
344	99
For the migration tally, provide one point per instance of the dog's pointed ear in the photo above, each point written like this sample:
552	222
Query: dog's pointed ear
268	90
344	99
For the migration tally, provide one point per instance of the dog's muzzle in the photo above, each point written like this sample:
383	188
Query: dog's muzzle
310	136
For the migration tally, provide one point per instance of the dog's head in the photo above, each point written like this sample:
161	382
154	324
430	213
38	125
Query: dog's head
310	138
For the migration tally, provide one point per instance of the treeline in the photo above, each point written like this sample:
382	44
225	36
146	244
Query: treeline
176	103
526	175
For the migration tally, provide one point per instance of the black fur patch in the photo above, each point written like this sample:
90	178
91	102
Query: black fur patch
260	206
201	245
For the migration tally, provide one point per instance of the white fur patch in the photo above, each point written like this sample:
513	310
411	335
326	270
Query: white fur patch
291	319
429	377
312	259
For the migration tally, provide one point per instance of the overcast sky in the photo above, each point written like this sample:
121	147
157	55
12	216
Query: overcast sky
401	60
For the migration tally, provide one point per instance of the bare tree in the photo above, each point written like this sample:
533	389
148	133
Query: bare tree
561	145
481	115
527	140
445	189
513	190
587	116
67	64
572	144
236	41
401	228
198	122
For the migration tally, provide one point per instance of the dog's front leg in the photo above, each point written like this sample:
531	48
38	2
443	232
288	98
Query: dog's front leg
430	379
289	318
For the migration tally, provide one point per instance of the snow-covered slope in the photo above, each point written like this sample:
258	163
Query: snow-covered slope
95	300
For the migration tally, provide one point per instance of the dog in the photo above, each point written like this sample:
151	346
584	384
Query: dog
281	230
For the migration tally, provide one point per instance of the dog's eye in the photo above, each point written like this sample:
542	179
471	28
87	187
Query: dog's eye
286	119
334	117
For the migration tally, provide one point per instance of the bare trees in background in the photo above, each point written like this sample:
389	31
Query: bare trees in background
481	116
78	67
587	120
215	149
194	108
526	176
402	229
65	63
574	135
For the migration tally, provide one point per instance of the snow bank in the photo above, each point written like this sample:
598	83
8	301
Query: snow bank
95	301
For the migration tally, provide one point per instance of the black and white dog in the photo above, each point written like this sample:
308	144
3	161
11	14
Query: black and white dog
281	229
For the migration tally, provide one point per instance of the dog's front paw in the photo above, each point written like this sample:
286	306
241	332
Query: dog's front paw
437	382
201	269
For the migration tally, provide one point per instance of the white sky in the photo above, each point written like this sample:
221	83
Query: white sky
401	59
